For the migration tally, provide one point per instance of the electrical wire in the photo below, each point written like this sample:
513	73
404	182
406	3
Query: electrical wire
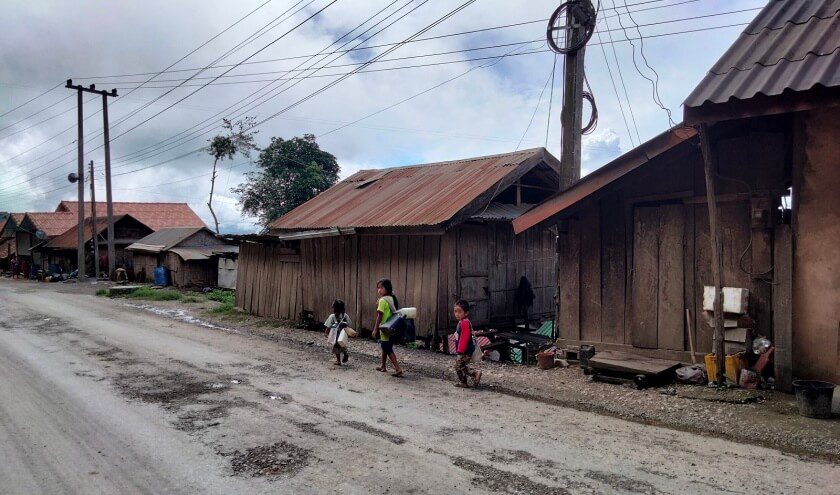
657	35
536	107
623	85
550	100
31	100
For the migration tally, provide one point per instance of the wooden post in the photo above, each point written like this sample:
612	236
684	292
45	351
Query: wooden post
717	255
572	113
782	308
112	257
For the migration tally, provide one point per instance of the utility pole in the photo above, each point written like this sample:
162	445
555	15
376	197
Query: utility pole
80	182
94	230
108	198
569	29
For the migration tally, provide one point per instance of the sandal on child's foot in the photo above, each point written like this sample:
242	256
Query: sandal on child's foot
381	369
337	363
461	385
345	358
398	374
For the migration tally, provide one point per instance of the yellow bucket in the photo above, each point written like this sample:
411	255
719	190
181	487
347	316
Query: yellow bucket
734	364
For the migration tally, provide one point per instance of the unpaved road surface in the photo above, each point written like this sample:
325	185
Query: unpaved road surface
100	397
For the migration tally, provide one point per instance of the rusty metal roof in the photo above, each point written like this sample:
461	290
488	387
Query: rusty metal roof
604	176
501	211
791	45
417	195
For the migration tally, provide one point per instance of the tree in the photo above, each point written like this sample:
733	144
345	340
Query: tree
236	140
290	173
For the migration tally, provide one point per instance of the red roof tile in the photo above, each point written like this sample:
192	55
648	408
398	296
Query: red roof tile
155	215
52	223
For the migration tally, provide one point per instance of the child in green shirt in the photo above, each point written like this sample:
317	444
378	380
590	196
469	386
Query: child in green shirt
385	307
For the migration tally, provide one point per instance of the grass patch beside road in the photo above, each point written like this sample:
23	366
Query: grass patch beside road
155	294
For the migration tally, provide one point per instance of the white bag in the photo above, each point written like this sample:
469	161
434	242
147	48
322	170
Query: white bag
342	338
477	354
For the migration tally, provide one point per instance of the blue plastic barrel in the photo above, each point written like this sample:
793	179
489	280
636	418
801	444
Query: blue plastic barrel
161	276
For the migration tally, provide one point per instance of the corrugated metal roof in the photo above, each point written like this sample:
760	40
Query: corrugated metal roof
501	211
164	239
791	45
156	215
202	253
418	195
604	176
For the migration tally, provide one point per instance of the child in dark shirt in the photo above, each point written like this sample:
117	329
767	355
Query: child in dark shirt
336	335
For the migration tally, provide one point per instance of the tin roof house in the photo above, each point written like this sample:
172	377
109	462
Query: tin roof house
438	231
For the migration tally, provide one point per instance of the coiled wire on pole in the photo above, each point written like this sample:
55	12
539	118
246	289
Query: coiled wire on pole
583	16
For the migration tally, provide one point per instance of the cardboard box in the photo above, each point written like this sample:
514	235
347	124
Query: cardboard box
735	300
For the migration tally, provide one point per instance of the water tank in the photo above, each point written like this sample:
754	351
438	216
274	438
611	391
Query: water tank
161	276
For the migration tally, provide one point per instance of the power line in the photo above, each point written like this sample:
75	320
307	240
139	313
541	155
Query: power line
550	100
649	36
31	99
537	107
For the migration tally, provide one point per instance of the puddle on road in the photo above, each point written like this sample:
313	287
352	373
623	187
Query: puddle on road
180	315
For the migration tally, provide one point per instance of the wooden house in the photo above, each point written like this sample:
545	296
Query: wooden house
634	247
188	253
8	242
37	227
62	249
439	231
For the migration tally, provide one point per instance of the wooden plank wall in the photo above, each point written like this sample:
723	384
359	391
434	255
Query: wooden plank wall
411	262
269	281
606	249
329	271
530	254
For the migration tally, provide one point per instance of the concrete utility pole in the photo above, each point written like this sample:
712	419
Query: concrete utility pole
112	260
93	227
106	135
80	181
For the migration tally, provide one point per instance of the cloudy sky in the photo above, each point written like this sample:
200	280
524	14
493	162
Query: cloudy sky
473	94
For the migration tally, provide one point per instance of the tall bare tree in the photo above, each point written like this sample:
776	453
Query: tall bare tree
238	139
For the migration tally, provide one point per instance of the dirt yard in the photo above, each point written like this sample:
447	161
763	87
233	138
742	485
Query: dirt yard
103	395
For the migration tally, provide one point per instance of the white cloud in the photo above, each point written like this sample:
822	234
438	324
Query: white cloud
482	113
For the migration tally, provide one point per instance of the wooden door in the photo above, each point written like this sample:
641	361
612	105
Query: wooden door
657	303
473	270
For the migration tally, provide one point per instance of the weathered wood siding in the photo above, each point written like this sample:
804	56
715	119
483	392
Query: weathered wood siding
193	273
635	256
269	281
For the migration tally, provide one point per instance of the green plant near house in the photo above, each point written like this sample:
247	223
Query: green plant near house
155	295
222	296
102	292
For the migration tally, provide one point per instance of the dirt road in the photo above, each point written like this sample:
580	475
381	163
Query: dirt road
97	396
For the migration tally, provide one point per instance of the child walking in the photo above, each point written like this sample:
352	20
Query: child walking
336	335
385	307
465	346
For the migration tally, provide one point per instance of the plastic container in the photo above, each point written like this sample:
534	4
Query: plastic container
813	398
161	276
734	365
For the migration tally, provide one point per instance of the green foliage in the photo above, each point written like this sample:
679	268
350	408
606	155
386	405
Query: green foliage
155	294
222	296
237	139
191	299
102	292
226	307
291	172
